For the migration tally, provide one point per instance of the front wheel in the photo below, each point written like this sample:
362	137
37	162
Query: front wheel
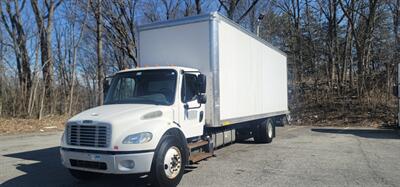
169	163
264	133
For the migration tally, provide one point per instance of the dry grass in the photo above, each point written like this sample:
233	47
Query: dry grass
345	113
18	125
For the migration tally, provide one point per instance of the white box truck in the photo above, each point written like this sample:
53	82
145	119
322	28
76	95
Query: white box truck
203	82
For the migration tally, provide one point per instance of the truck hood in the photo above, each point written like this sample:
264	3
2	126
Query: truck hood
115	112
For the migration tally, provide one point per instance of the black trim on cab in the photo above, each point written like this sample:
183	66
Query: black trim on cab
105	152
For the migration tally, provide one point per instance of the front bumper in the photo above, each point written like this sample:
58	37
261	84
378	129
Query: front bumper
107	162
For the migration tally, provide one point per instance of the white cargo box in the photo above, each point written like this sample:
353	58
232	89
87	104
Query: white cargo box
246	76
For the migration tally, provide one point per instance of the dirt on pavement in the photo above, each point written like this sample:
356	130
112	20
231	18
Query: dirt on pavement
19	125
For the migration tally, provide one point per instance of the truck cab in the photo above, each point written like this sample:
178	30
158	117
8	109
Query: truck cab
146	111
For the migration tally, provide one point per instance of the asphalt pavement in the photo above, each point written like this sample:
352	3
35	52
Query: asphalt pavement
298	156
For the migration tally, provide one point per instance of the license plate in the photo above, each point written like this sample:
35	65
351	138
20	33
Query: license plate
94	157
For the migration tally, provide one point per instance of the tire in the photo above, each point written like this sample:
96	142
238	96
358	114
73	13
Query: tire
265	132
285	120
280	121
168	163
83	175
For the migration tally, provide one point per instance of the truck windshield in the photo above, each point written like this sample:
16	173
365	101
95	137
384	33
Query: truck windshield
144	87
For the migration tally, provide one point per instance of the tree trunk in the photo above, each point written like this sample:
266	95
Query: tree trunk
42	102
100	65
1	72
347	55
32	97
198	6
45	32
12	23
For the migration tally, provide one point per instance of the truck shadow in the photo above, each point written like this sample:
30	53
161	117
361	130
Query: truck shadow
364	133
46	170
247	141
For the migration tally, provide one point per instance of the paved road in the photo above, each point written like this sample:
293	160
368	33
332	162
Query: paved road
299	156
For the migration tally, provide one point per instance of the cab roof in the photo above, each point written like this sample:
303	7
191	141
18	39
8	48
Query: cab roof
177	68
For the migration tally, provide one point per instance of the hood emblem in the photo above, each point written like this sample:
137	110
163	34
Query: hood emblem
87	121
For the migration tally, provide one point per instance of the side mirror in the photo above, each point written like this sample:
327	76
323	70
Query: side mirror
202	83
201	99
395	91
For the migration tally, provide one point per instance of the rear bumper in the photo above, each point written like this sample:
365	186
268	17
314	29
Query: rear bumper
107	162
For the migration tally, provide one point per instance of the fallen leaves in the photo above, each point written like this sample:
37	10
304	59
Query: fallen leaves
20	125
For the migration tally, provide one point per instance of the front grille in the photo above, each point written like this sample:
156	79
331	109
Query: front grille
89	135
88	164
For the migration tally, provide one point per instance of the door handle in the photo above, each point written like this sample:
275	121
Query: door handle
201	116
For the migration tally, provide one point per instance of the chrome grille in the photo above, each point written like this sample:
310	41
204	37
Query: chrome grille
89	135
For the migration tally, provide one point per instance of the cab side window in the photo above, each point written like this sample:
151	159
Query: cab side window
189	88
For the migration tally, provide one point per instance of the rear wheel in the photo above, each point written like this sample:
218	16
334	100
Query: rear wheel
264	133
285	120
169	163
83	175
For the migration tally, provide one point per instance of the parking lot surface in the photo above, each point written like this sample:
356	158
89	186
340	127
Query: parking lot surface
298	156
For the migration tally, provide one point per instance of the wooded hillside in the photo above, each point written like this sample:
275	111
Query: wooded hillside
342	54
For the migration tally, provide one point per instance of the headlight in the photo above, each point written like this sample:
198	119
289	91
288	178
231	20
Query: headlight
138	138
62	137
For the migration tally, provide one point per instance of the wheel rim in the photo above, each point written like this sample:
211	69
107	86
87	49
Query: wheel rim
269	126
172	162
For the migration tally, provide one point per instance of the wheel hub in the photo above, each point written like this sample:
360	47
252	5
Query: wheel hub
172	162
269	126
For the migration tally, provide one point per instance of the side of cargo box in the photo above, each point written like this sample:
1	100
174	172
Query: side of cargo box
247	77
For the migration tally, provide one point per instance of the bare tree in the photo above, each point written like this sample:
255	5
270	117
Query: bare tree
339	51
394	7
120	30
1	68
156	10
75	44
294	40
331	15
395	13
193	7
100	63
36	81
12	23
231	7
362	33
44	22
171	8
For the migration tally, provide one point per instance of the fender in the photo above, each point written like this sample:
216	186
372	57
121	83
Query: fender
179	134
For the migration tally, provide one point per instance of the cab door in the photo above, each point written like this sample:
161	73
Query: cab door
191	112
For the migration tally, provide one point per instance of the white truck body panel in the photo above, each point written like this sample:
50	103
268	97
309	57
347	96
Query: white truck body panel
175	46
170	46
246	76
252	76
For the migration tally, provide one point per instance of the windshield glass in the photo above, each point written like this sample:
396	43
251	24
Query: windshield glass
145	87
